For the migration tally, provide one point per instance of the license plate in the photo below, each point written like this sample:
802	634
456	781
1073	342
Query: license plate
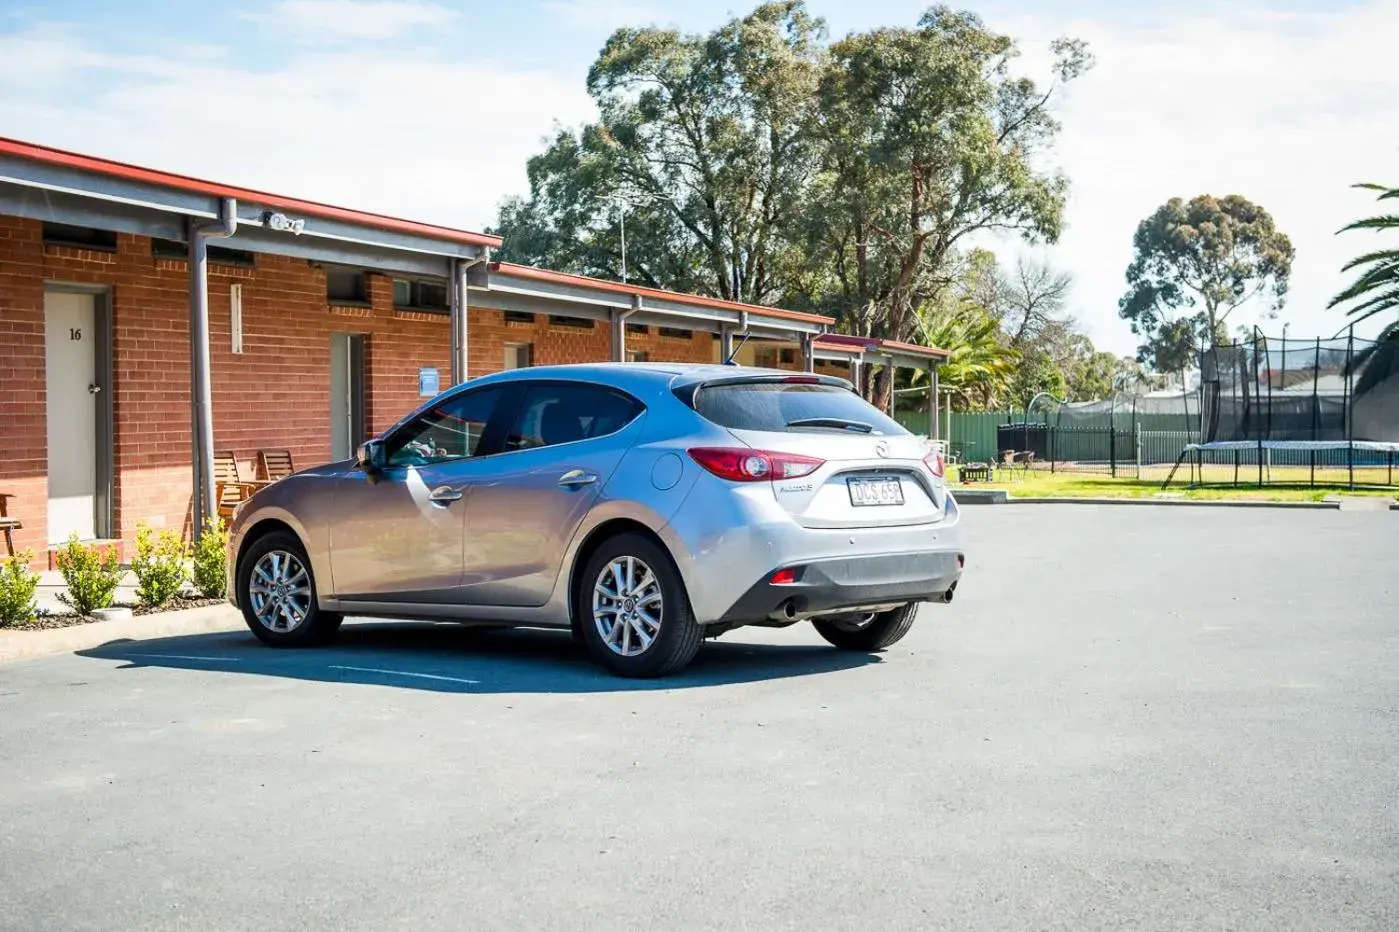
875	491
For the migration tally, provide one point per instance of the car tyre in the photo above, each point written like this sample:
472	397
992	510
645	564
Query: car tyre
651	590
277	593
881	631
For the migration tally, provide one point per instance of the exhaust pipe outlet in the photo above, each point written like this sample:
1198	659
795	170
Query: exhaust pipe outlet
787	611
947	596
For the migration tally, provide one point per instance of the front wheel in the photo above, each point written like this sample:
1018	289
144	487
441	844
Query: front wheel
870	633
277	592
633	610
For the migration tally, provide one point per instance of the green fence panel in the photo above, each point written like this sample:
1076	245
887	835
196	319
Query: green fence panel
971	434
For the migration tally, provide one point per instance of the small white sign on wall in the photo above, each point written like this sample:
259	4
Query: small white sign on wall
235	317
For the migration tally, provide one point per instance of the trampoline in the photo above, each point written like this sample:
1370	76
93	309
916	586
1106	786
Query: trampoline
1366	455
1290	409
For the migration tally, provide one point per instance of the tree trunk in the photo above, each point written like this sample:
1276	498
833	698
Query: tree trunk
880	388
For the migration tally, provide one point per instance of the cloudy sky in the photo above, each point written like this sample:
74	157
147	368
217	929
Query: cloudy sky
429	108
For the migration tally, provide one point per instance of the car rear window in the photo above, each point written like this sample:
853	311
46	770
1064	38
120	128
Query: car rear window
773	406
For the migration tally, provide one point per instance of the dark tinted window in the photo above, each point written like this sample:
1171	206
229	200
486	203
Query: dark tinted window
554	414
218	255
419	295
449	430
773	406
65	234
580	323
346	285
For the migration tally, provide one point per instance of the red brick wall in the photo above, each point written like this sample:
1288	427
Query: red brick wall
23	419
276	393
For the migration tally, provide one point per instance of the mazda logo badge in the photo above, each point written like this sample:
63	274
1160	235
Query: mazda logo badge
882	448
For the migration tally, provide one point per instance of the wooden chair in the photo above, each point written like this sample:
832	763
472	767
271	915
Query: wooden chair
1018	462
8	525
274	464
229	487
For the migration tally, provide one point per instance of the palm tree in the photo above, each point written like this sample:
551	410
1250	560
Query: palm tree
980	366
1377	287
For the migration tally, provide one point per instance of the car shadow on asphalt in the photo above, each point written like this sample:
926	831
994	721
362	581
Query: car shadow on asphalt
460	659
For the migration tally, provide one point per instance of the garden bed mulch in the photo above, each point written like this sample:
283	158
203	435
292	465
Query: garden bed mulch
69	619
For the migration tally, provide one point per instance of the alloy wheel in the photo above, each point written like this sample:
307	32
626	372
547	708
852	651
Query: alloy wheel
628	606
279	591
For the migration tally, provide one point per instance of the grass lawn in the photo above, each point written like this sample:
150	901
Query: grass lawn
1289	484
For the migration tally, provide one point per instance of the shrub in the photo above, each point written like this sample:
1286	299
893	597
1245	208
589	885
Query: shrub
159	565
17	588
210	560
90	574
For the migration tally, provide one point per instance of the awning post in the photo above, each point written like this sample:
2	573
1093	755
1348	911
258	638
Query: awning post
205	506
726	342
460	307
932	401
808	352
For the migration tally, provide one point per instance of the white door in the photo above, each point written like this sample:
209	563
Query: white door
71	358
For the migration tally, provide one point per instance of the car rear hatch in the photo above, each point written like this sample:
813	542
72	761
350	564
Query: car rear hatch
831	459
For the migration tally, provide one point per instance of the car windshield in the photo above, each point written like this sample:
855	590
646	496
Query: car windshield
788	407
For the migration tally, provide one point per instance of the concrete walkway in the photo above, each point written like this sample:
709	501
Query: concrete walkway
28	644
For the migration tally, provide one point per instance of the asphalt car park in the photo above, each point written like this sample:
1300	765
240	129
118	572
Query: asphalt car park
1130	717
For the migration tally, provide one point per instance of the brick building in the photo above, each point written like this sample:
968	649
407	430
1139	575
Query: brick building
148	320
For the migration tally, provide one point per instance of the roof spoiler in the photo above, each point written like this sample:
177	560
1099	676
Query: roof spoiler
685	387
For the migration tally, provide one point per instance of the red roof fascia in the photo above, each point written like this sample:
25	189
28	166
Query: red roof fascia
875	344
913	349
113	169
567	278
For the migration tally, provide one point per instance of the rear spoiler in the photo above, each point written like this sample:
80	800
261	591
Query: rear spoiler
687	387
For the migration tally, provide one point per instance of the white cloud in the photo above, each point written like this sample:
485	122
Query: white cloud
402	133
601	16
1288	110
319	20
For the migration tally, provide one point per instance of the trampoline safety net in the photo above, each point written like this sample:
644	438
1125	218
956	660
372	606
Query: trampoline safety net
1335	390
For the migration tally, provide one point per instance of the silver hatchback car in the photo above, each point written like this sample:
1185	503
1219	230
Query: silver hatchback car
644	506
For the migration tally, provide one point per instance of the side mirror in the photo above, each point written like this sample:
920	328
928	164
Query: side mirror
370	456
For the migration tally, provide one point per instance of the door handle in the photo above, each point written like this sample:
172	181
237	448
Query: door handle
94	389
576	477
444	494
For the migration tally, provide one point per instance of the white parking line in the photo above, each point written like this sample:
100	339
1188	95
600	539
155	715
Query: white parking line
421	676
182	657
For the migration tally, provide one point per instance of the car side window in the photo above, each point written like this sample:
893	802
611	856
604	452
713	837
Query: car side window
552	414
450	430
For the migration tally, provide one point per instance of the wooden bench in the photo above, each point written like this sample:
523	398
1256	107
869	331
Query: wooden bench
8	525
230	489
973	472
273	465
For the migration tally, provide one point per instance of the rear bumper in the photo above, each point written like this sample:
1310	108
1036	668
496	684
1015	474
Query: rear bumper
727	543
830	586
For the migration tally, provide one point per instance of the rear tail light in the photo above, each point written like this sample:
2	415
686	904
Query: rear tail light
784	577
747	465
936	464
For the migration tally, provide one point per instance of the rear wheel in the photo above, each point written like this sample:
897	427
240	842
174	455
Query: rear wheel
634	613
868	633
277	592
